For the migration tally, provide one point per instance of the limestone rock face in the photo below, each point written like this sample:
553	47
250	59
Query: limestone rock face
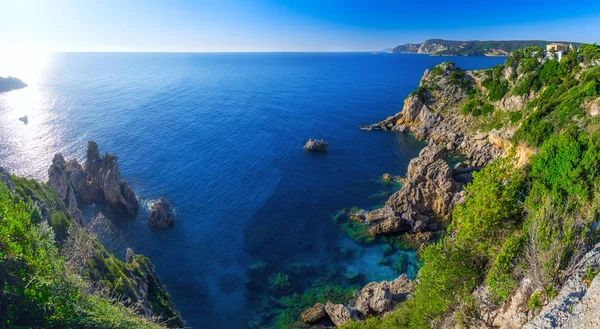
377	298
161	216
427	194
99	182
339	313
58	179
576	305
385	220
316	145
57	176
432	188
313	314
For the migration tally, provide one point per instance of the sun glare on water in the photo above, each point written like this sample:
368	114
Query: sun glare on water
27	146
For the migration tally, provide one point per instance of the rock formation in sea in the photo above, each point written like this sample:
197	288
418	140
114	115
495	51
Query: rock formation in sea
316	145
11	83
99	182
161	215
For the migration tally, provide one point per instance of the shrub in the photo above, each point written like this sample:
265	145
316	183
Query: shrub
60	224
591	88
515	117
487	108
535	301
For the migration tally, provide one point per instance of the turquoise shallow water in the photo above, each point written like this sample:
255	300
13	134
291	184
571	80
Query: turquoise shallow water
221	136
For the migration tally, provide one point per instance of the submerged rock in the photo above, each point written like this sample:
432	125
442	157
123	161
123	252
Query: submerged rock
161	216
316	145
358	215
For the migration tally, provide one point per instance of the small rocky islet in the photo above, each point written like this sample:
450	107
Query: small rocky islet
316	145
11	83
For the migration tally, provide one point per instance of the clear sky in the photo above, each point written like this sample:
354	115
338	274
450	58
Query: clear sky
285	25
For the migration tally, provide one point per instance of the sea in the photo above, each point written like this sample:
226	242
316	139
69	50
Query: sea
220	136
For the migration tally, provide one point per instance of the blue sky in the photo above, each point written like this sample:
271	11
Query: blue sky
293	25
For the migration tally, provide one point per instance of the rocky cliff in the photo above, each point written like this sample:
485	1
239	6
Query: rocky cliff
511	257
431	187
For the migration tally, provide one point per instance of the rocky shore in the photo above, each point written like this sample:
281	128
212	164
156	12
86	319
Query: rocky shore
375	299
432	187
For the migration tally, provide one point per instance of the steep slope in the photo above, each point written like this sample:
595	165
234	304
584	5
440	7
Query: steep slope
55	274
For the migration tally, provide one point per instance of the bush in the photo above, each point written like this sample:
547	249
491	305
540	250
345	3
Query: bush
487	108
60	224
515	117
471	104
591	88
567	165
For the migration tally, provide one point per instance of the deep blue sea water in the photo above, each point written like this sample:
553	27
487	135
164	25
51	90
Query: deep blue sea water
221	136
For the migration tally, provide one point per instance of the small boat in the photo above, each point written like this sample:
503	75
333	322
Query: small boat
24	119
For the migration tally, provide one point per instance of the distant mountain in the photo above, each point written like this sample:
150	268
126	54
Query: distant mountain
470	48
386	50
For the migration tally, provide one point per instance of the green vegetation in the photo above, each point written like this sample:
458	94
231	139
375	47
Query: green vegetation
280	284
475	48
44	290
56	275
495	83
590	53
535	218
355	231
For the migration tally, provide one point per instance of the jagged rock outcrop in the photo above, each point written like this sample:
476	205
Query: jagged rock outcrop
377	298
58	179
161	216
316	145
99	182
431	188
